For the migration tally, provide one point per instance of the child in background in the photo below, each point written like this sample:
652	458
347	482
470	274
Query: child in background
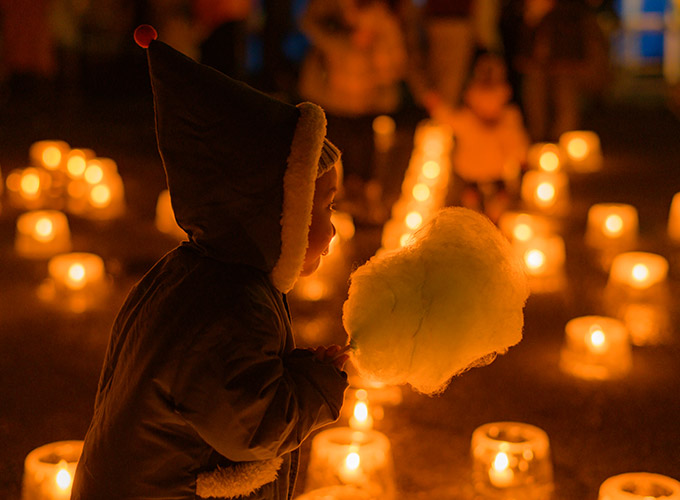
491	142
203	393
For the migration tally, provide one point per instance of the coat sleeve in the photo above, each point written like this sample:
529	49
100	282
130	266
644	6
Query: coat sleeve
243	397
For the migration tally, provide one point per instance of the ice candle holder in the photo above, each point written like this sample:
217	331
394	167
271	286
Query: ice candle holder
612	225
640	486
511	460
49	471
41	234
638	270
546	192
545	156
344	456
596	348
582	149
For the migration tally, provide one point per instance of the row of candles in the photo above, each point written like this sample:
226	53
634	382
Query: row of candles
510	460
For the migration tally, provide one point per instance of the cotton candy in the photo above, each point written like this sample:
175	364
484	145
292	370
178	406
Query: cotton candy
450	300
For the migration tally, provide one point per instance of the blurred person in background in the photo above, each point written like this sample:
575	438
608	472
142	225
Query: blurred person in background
354	69
563	56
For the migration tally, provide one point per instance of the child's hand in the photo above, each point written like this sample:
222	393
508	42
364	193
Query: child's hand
333	354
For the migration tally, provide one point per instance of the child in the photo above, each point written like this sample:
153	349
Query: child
203	393
491	141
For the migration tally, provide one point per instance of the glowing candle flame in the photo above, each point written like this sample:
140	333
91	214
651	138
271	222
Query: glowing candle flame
30	182
63	477
44	230
501	462
597	338
76	276
545	193
613	225
94	174
76	165
534	259
549	161
421	192
51	157
640	272
352	461
413	220
431	169
577	148
522	232
100	195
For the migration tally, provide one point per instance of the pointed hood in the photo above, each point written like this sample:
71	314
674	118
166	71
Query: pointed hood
240	166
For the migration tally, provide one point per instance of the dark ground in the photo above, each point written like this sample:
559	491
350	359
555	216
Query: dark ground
49	360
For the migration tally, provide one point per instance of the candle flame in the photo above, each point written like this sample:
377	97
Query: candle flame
501	462
44	229
523	232
577	148
545	193
94	173
613	225
597	338
352	461
549	161
51	157
534	259
30	182
63	477
640	272
413	220
361	411
100	196
431	169
76	276
76	165
421	192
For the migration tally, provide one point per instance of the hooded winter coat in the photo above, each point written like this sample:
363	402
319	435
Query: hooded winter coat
202	392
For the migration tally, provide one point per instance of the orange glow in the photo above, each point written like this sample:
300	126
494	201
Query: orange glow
404	239
421	192
523	232
501	462
76	164
431	169
613	225
44	229
549	161
545	193
51	157
640	272
534	259
578	148
352	461
597	339
94	173
75	276
413	220
63	477
384	125
100	196
30	183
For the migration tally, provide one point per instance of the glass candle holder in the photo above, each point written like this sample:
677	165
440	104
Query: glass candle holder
545	156
41	234
49	470
674	219
638	270
511	460
523	226
582	149
344	456
596	348
612	225
640	486
49	154
546	192
77	281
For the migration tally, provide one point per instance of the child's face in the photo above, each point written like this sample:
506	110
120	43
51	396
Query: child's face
321	231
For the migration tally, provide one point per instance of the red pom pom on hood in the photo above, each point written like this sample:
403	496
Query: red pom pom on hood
144	34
